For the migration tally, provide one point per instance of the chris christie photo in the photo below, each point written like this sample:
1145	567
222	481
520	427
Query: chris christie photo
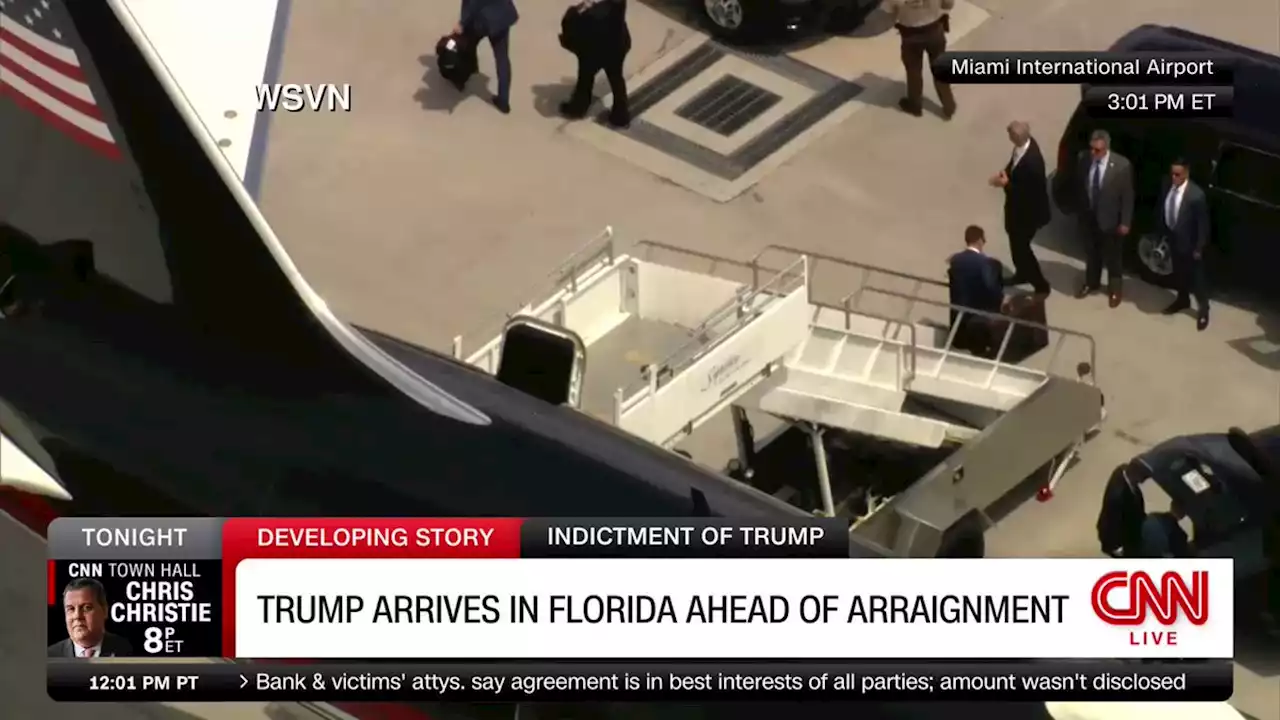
85	604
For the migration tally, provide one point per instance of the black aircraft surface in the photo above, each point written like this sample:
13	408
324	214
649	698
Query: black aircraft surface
160	354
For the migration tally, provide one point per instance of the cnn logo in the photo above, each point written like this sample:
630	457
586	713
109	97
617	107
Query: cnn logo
1129	598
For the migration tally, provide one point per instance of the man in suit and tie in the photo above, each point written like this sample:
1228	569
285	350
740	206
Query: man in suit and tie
85	605
1026	205
492	20
1107	200
1182	219
973	279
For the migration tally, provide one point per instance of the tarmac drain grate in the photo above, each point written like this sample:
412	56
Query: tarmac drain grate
728	105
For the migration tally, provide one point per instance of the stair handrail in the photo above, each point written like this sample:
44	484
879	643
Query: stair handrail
564	277
754	268
961	310
910	370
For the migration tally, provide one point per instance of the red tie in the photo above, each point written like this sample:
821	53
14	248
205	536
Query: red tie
88	652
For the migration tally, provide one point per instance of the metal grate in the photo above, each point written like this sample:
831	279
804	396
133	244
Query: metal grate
727	105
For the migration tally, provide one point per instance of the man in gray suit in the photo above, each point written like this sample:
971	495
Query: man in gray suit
85	605
1182	219
492	20
1106	187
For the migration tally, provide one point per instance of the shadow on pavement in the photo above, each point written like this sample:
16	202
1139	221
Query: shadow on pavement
439	94
883	92
548	96
1263	348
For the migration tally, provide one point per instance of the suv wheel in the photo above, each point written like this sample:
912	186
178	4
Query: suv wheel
1152	258
726	18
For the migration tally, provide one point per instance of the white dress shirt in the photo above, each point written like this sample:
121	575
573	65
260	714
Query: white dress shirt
1173	204
89	652
1018	153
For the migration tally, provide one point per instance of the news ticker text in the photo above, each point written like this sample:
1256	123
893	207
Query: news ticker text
1159	102
644	681
1097	68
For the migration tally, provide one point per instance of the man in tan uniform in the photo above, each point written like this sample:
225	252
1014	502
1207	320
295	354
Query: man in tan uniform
923	25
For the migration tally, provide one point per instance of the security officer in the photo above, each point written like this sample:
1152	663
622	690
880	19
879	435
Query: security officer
923	25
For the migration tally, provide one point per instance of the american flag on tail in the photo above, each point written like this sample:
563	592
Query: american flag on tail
40	71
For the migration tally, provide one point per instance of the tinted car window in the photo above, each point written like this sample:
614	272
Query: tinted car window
1250	173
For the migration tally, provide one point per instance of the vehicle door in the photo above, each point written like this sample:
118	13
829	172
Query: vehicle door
1244	202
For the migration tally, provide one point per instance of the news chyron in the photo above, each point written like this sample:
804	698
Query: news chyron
134	588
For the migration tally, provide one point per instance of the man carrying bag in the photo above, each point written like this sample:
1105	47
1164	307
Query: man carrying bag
596	32
491	20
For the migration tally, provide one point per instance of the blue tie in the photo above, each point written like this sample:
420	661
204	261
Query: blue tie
1096	183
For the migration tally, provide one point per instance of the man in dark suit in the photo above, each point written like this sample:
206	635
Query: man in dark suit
492	20
1026	205
1182	219
1106	187
84	603
973	279
603	46
1123	511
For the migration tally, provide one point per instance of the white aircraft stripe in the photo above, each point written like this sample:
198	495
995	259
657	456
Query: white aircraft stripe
94	127
53	49
72	87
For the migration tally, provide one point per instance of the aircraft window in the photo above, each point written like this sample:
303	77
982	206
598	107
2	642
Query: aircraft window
1250	173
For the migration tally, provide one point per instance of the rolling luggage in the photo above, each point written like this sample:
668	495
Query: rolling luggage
1025	340
456	59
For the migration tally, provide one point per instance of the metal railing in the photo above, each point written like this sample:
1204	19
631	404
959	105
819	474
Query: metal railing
600	250
913	296
1011	323
892	326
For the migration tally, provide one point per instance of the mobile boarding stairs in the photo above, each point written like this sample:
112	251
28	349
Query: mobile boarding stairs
671	344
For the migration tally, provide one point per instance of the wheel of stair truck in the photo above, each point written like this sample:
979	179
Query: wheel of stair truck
965	539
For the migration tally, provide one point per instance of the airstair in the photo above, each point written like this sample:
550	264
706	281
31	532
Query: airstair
674	337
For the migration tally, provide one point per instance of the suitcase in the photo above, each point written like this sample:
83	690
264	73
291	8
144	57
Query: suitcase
455	59
1025	340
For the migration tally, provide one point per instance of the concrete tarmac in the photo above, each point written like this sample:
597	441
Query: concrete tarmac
426	214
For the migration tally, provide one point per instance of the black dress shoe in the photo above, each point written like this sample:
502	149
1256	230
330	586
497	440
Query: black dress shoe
1086	290
910	108
948	113
503	106
1113	300
1202	321
572	112
621	122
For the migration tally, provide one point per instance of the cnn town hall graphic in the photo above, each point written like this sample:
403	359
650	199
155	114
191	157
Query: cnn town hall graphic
118	588
1129	599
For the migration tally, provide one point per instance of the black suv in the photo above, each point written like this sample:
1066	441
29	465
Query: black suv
1236	161
753	20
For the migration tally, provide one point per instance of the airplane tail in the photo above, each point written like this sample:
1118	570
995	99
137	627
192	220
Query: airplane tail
120	220
114	166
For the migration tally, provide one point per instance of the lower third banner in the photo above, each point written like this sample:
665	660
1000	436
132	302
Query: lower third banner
615	681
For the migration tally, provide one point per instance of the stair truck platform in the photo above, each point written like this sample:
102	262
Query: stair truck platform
851	360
